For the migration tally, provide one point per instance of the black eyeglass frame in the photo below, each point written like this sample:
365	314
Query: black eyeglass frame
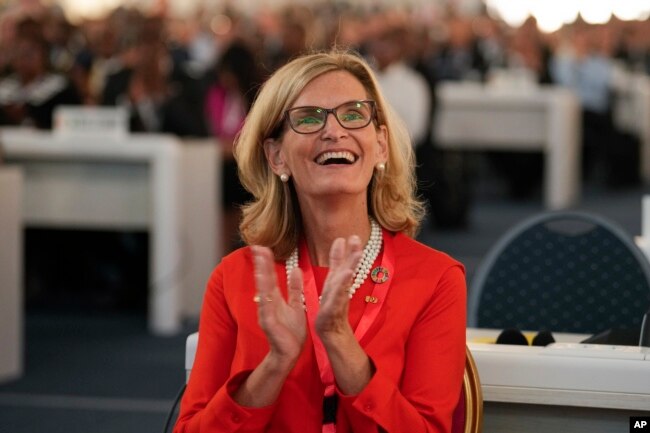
328	111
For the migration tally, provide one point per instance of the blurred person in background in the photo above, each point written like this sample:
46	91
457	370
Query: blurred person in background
405	89
526	67
201	46
29	95
8	20
99	57
412	96
158	96
443	174
62	38
585	65
294	38
634	46
228	99
458	58
491	41
529	53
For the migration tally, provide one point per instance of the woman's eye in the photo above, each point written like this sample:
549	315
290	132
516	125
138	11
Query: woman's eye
308	120
351	116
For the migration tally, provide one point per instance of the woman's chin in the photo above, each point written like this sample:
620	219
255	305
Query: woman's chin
335	189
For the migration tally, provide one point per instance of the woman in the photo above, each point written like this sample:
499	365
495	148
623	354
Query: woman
379	348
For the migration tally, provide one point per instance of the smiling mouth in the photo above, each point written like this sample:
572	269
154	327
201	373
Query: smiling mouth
330	158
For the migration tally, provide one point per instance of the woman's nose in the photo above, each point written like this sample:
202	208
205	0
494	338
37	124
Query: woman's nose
333	128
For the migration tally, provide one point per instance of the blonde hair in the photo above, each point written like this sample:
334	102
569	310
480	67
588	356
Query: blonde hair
273	218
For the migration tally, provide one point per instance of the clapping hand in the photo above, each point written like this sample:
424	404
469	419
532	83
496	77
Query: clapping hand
332	320
284	323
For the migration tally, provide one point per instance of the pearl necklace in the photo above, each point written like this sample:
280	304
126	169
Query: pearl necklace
370	253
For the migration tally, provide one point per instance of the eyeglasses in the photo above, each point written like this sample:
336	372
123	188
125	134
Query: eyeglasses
350	115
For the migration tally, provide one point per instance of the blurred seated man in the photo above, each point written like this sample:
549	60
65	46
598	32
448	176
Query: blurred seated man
31	92
406	90
459	57
586	67
441	174
98	59
156	95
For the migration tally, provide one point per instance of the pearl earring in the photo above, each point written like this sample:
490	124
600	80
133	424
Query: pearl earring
381	166
284	177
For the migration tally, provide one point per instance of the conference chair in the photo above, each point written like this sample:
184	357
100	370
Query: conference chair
467	417
562	271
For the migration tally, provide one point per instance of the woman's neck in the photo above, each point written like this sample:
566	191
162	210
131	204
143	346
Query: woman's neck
326	222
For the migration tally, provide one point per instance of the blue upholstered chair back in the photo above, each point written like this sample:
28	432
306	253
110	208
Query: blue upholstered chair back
563	272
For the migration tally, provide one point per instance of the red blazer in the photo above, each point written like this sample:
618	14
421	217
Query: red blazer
416	343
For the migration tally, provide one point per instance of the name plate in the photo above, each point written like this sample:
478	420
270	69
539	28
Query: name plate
83	121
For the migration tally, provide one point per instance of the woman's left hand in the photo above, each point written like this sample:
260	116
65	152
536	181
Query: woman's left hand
332	320
351	366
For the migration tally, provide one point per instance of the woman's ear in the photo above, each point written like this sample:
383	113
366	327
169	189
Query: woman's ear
272	150
382	141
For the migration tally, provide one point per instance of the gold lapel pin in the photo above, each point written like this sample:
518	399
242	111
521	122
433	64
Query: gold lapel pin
372	299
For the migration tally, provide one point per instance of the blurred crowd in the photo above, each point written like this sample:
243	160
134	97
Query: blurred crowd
162	67
198	76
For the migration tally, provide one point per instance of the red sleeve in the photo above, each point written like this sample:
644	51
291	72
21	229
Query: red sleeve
434	363
207	404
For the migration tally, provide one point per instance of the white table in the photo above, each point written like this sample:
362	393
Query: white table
11	295
525	390
542	389
151	182
544	119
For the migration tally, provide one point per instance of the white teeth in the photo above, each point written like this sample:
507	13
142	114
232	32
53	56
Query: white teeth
335	155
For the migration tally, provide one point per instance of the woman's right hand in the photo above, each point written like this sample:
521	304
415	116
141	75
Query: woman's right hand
284	323
285	326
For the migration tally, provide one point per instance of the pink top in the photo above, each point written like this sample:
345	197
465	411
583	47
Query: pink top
225	112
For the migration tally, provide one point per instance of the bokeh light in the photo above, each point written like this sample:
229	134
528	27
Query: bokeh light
513	12
84	9
596	11
552	14
630	9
